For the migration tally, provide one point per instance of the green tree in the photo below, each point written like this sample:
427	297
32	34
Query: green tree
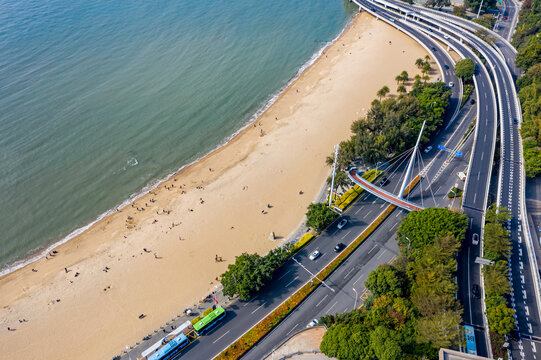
442	329
419	63
246	276
437	3
386	280
426	78
426	68
529	55
496	242
421	228
347	341
319	216
460	11
382	92
398	79
486	20
401	89
496	281
484	35
404	76
474	5
465	69
500	319
386	344
341	180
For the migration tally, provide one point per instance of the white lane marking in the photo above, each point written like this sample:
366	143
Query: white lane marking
530	328
252	299
527	309
319	303
368	213
372	249
482	155
259	307
356	212
292	281
331	308
346	234
284	275
533	347
395	225
474	197
522	278
380	255
524	294
356	281
214	342
293	328
349	272
398	214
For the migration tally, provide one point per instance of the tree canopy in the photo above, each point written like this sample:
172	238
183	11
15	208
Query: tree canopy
251	272
319	216
420	228
465	69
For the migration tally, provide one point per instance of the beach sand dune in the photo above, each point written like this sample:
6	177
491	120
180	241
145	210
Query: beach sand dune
84	302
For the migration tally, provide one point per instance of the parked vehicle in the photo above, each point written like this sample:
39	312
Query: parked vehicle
312	323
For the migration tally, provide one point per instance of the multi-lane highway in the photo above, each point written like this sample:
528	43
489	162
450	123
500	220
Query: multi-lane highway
510	181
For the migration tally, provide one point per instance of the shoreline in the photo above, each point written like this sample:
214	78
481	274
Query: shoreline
41	253
267	162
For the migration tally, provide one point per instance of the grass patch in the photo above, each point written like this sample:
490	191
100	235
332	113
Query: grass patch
252	336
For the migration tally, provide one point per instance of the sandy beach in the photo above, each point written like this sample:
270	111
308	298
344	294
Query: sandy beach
84	302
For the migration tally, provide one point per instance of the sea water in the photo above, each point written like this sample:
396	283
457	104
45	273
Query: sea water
100	99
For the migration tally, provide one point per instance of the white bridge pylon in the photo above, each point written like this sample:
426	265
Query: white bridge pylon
397	200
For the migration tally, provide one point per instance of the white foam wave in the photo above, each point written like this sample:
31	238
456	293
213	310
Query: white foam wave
38	254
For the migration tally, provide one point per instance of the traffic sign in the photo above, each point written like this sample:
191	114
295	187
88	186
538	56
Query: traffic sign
458	153
441	147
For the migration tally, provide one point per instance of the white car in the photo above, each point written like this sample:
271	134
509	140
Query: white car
451	84
446	36
427	150
312	323
341	224
475	239
314	255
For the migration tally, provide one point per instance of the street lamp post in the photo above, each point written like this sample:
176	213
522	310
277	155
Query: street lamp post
356	296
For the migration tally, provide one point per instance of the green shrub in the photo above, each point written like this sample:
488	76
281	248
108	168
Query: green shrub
455	193
305	239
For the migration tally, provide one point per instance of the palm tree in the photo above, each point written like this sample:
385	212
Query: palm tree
427	58
426	68
417	77
382	92
401	89
405	76
419	63
426	78
398	79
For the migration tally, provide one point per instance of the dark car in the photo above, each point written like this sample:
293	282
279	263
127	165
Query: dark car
446	67
383	182
433	48
515	120
472	101
475	291
338	247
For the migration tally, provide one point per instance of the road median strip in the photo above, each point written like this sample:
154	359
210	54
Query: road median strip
262	328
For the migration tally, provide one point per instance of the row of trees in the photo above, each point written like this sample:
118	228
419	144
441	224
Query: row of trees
391	126
412	310
528	43
251	272
497	247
